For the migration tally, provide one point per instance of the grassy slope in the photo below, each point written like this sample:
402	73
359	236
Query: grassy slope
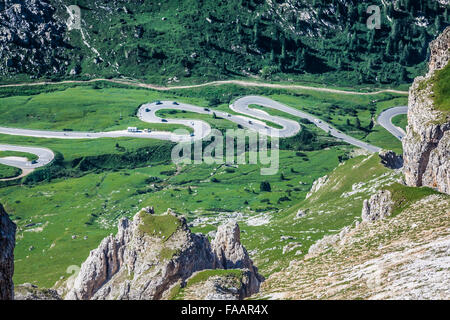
326	212
80	109
441	89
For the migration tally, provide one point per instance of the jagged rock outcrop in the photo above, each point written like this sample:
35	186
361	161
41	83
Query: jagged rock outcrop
390	159
426	146
379	206
7	244
31	39
151	254
231	254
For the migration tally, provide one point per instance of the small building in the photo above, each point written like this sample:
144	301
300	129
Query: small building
132	129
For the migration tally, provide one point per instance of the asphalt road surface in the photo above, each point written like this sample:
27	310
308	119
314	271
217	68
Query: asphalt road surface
45	156
385	120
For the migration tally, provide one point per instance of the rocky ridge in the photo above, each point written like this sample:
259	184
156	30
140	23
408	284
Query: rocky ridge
151	254
7	243
427	142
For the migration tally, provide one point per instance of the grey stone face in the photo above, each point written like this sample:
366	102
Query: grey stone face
426	146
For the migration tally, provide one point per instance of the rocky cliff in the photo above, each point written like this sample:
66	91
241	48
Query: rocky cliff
426	146
31	39
151	254
7	243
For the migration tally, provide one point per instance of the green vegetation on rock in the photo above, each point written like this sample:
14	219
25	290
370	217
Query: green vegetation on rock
159	226
404	196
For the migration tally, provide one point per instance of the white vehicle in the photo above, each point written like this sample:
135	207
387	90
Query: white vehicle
132	129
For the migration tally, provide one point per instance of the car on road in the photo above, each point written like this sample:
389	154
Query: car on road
164	120
176	103
147	110
192	134
250	122
34	162
158	102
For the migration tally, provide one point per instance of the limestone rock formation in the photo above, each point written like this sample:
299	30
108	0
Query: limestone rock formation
379	206
7	243
426	146
391	160
151	254
231	254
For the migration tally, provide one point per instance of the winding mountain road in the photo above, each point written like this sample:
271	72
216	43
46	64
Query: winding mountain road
45	156
385	120
201	129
